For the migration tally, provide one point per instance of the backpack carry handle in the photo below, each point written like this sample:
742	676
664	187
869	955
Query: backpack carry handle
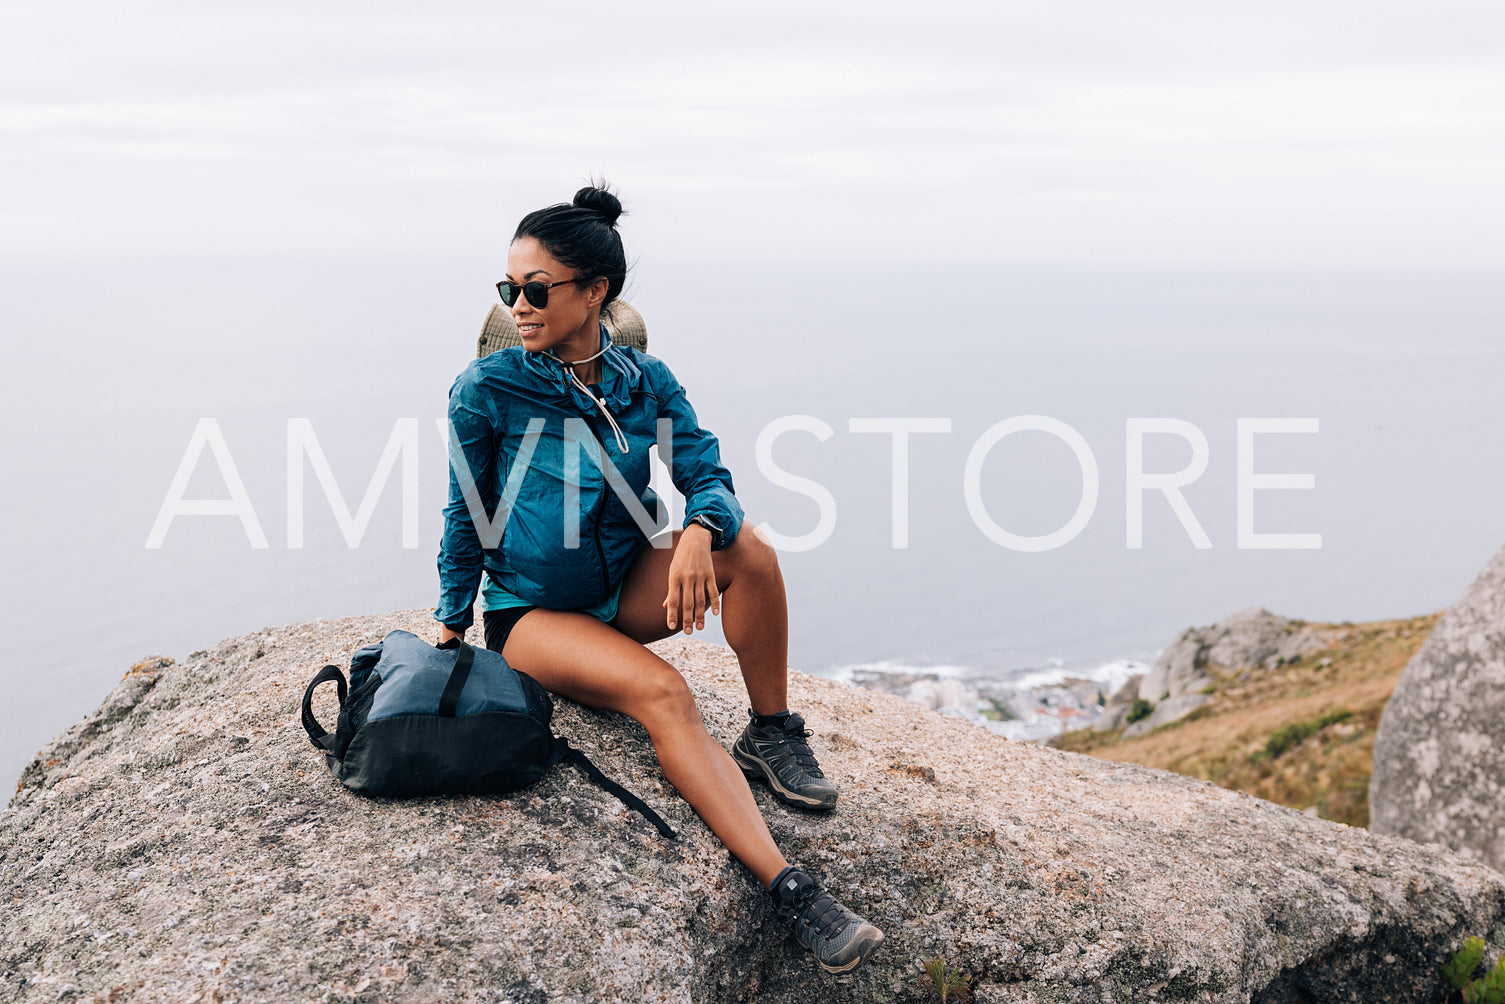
450	699
316	732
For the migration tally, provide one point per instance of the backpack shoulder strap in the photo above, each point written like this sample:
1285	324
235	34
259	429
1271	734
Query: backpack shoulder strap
564	751
316	732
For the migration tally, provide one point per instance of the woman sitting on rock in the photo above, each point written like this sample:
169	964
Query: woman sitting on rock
572	594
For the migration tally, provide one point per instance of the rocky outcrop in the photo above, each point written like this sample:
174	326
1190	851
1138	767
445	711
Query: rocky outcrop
982	702
185	843
1030	709
948	696
1239	646
1118	708
1439	753
1171	709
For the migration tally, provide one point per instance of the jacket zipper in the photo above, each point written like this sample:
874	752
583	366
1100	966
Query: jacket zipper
600	509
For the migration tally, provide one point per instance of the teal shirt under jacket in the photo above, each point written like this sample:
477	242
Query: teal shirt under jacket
541	494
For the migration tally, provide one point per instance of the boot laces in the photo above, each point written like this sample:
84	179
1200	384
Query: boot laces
817	910
789	744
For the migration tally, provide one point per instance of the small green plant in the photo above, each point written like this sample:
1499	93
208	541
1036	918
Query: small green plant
1488	989
1459	972
1290	736
1140	709
995	710
948	985
1287	737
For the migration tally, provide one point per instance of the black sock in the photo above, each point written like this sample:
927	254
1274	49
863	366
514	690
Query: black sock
763	721
773	888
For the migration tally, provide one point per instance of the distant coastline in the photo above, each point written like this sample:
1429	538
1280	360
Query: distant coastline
1031	703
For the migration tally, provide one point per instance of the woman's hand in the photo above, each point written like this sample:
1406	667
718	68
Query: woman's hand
692	581
445	634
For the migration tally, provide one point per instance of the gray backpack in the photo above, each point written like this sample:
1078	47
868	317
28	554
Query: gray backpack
421	720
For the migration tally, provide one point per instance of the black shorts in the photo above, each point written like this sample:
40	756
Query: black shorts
498	624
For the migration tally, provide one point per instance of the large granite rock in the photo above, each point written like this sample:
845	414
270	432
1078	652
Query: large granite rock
184	843
1439	753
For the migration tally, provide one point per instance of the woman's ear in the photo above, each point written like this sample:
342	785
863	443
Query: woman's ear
595	293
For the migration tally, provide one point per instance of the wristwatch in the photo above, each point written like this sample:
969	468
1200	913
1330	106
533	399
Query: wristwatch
705	521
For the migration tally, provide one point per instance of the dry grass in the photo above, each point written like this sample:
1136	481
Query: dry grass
1301	735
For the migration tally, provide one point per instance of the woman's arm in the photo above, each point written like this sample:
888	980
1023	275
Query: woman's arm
472	499
713	516
696	469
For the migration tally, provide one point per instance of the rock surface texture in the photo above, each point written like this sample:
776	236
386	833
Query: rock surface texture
186	843
1439	753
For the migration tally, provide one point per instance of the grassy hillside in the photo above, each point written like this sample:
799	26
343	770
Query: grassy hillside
1301	735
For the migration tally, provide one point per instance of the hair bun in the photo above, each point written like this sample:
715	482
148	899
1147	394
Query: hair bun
601	201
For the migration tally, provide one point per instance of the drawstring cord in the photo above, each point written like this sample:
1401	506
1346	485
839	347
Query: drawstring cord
600	402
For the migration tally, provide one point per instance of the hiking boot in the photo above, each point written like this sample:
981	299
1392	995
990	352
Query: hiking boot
779	755
839	938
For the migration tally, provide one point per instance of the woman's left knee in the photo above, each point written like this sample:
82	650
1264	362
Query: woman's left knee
752	552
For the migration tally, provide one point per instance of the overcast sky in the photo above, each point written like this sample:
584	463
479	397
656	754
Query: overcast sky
816	136
1349	133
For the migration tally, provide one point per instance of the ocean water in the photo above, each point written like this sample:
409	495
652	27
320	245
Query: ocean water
110	366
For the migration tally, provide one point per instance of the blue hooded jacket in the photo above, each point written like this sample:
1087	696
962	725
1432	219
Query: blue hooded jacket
541	494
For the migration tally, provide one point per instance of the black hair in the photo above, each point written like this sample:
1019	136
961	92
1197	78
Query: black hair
583	235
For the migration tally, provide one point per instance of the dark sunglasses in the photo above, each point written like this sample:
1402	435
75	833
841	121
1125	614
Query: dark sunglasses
536	292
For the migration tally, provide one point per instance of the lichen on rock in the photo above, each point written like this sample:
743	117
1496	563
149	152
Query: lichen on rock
186	840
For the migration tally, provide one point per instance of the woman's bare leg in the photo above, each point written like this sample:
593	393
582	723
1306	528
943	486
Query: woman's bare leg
754	611
579	657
